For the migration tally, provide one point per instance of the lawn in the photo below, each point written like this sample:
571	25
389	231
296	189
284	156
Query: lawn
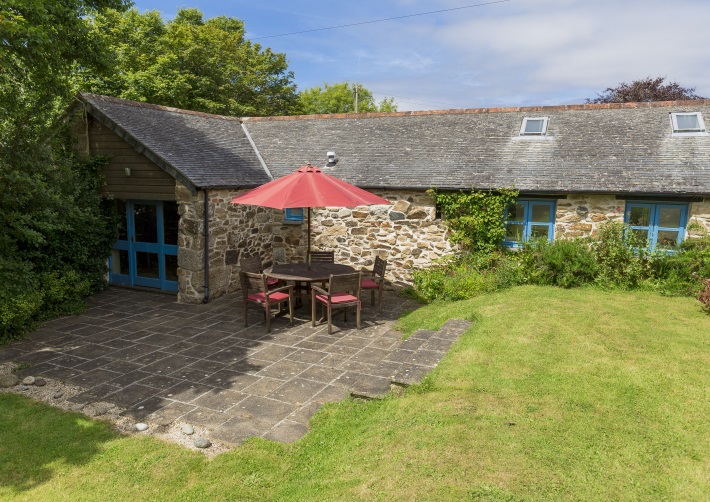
552	394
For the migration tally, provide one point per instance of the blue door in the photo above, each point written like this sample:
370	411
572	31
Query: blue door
145	253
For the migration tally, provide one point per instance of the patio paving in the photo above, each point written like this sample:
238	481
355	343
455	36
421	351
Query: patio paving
166	362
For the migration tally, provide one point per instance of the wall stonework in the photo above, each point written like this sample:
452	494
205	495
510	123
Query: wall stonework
406	233
580	215
699	219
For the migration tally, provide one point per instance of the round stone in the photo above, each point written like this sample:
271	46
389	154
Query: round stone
22	387
28	380
188	429
201	442
77	407
40	382
141	427
58	395
7	381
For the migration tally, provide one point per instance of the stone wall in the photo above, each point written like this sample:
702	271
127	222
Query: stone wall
580	215
699	219
406	233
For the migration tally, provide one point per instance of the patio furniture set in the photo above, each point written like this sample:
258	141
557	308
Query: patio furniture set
320	281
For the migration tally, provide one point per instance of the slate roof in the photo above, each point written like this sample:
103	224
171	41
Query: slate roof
199	149
588	148
622	148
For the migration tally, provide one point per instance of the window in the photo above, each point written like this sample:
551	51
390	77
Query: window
661	225
534	126
529	219
685	123
294	215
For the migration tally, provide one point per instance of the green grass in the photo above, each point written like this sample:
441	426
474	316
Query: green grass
552	394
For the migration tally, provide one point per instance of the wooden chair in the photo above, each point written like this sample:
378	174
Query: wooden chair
374	280
253	265
323	256
342	291
263	296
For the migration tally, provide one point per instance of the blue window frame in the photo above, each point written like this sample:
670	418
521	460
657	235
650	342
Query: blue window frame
662	225
294	214
529	219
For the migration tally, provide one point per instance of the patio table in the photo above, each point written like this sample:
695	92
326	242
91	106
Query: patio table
299	272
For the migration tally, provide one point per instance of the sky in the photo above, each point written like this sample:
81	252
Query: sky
493	54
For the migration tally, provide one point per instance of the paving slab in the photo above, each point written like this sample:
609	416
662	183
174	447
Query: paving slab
165	362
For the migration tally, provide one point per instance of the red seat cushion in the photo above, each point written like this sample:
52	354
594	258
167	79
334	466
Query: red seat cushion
272	282
338	298
369	284
274	297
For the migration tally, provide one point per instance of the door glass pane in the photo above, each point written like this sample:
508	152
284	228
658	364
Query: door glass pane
667	238
641	235
170	223
541	213
640	216
538	231
516	212
669	217
145	220
119	261
122	225
513	232
147	265
171	265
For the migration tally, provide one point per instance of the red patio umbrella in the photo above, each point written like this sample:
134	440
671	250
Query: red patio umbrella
308	187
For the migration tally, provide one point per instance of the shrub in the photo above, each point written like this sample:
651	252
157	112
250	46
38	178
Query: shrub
704	295
564	263
454	279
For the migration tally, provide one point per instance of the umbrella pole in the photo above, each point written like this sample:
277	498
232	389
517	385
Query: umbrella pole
308	251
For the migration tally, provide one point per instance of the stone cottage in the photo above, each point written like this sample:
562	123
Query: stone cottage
173	173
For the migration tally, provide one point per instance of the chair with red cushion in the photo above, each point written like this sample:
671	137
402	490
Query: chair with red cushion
264	297
342	291
374	280
253	265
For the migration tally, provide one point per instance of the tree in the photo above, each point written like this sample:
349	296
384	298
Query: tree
40	42
191	63
648	89
54	238
340	98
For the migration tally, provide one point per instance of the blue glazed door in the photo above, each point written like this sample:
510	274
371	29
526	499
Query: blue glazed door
145	253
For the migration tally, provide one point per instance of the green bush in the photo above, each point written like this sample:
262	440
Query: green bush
564	263
615	258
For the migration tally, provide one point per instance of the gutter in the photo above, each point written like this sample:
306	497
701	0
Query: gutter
206	231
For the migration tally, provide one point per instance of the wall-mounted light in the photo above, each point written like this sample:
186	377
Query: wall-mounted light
127	170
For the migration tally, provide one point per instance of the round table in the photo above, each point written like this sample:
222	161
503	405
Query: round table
299	272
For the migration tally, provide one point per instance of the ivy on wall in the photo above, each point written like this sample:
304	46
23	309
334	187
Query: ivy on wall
476	218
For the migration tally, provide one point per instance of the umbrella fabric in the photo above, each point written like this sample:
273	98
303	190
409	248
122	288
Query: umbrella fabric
308	187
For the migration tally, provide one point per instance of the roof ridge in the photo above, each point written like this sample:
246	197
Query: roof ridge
151	106
465	111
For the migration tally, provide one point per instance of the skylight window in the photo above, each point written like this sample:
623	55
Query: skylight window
534	126
684	123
